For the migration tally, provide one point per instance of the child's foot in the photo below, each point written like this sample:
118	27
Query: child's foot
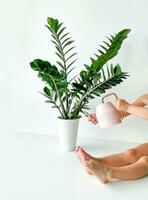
82	155
97	169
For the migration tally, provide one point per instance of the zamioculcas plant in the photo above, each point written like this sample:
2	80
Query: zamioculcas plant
71	96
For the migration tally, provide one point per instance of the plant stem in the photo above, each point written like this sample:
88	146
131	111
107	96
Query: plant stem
78	107
61	103
64	63
62	106
59	110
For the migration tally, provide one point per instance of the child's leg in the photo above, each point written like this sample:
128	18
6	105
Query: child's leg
128	157
129	172
114	160
117	160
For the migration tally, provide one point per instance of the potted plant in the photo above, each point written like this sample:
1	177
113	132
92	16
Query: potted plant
71	96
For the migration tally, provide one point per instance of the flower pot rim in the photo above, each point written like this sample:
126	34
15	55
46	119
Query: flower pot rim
69	119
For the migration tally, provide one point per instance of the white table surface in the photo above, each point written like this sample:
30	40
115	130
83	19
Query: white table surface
33	168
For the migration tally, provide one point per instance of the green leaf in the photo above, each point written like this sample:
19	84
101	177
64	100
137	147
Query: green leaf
112	51
113	37
92	60
104	78
64	36
47	91
55	43
112	69
40	65
48	101
71	63
34	66
66	40
77	86
87	66
109	39
59	25
70	70
96	55
108	72
61	65
59	49
63	90
71	56
59	55
69	50
68	43
107	43
101	51
117	70
103	47
53	23
54	37
83	74
61	31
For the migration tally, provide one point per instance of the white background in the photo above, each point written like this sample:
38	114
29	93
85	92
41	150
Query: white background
24	37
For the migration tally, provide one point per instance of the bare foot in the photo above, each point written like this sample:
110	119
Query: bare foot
82	155
97	169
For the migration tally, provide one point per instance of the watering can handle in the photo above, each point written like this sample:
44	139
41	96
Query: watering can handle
110	94
107	95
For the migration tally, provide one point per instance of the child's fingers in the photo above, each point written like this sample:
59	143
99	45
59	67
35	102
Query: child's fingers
87	115
93	115
94	122
91	118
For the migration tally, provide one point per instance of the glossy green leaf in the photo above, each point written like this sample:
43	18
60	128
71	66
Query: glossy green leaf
68	43
47	91
53	23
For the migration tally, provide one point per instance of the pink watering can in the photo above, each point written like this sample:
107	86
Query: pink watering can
107	114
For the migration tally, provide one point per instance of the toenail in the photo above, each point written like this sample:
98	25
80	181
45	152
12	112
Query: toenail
77	149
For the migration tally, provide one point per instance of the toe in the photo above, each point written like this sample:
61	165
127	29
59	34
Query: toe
84	154
80	155
84	157
82	150
77	149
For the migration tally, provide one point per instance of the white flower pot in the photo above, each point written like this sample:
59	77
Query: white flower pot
67	131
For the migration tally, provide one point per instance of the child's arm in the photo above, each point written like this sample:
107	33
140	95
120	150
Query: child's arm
141	101
136	108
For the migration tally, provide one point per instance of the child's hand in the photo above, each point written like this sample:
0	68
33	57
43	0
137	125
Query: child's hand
122	105
92	118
